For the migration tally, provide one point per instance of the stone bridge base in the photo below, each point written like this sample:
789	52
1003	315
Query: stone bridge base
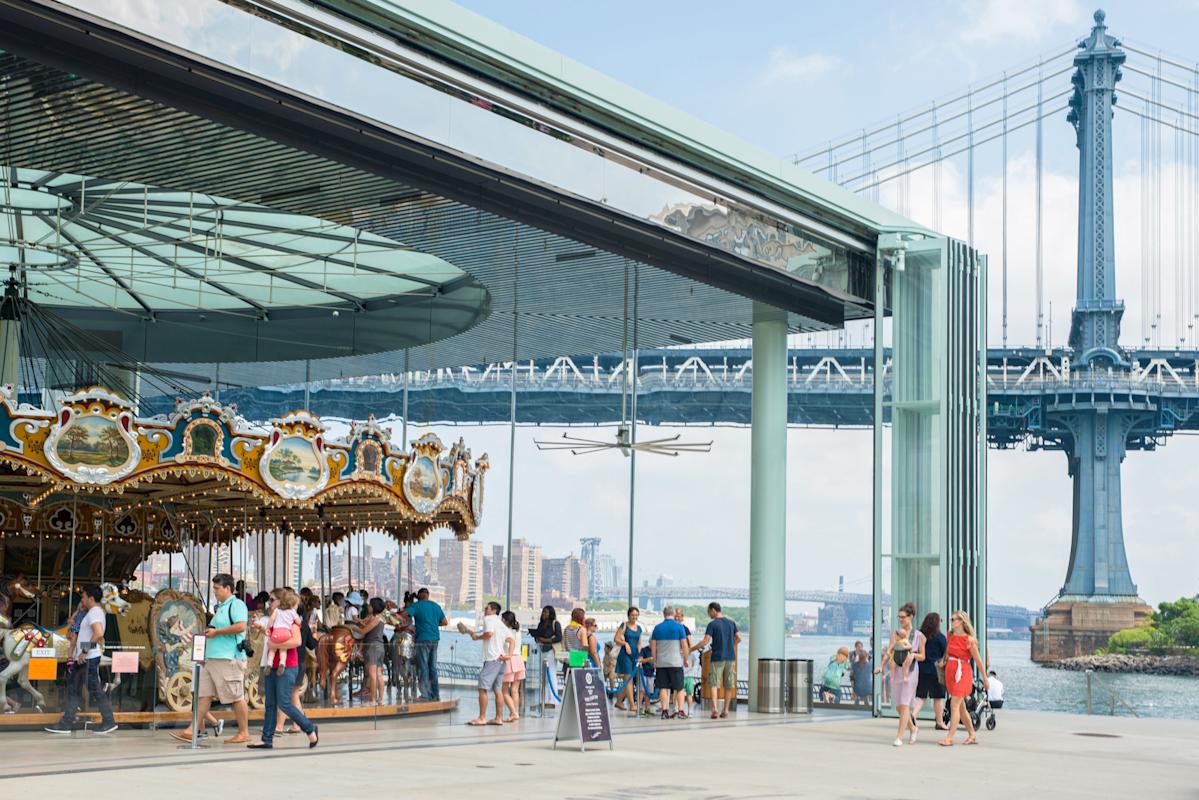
1074	628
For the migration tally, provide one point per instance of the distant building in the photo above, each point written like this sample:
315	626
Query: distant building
493	571
526	578
564	579
460	568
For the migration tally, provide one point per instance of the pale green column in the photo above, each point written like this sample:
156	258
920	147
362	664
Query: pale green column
10	352
768	491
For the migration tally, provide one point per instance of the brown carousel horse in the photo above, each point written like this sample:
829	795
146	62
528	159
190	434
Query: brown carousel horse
339	647
12	589
333	653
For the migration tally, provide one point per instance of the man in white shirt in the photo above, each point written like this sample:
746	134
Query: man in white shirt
994	691
353	603
491	675
85	666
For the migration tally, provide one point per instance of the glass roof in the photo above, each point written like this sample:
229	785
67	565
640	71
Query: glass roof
81	242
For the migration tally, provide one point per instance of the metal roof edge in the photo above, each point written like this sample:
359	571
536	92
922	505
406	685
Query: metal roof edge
474	42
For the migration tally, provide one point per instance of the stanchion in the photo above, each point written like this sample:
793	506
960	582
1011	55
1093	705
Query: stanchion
194	744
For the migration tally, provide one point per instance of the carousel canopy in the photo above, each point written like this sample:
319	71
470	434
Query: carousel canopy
90	467
182	277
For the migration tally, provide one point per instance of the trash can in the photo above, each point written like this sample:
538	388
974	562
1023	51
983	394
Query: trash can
799	686
770	686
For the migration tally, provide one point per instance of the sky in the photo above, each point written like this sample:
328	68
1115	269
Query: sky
788	76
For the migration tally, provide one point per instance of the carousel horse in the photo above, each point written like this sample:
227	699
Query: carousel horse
12	589
403	654
333	653
17	644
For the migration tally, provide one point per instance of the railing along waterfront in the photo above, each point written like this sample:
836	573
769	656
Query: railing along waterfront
1113	696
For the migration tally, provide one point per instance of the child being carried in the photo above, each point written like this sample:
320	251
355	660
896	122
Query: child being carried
283	616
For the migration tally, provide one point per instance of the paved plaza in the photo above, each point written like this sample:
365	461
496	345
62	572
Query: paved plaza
829	755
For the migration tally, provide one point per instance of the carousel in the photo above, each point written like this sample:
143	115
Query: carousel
92	491
121	295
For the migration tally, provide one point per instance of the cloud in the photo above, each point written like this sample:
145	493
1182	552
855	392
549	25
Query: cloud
1006	22
786	66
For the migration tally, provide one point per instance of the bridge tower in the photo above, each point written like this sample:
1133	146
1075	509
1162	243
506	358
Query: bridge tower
1098	596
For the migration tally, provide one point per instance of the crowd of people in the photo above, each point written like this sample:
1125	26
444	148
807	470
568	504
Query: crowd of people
640	667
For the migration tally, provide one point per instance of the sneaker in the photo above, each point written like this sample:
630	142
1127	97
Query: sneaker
681	715
58	728
665	714
105	728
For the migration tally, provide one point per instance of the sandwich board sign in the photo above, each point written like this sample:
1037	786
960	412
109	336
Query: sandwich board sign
584	714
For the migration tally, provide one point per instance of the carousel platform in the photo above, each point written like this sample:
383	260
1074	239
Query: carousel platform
354	713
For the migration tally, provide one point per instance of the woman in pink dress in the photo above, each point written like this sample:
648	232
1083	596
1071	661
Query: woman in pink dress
514	675
904	650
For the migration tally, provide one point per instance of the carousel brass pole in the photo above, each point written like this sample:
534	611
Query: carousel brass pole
404	446
143	586
74	528
208	587
101	532
40	542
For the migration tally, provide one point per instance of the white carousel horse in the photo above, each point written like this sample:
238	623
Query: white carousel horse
16	645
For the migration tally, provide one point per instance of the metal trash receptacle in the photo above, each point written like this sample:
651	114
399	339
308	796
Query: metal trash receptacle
799	685
770	686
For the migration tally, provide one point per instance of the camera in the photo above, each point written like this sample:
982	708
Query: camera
245	647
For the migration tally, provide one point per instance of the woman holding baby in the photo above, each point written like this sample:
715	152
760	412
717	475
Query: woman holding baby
904	651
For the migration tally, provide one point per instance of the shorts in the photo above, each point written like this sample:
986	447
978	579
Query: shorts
668	678
372	654
689	685
224	679
491	676
928	685
514	676
722	675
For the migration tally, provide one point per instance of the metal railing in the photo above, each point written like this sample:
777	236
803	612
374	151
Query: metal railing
1113	697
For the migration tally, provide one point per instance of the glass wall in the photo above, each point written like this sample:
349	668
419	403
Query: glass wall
929	462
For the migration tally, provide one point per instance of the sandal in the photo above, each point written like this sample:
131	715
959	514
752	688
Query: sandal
946	742
474	723
971	740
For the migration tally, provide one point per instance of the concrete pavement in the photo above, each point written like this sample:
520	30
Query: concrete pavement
826	756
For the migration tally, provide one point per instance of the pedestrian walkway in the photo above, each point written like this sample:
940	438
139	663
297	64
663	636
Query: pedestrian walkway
828	755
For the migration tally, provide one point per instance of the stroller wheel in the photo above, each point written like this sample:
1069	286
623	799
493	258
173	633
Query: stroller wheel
991	722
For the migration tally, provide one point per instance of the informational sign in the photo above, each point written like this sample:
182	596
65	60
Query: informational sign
584	714
41	652
124	662
199	641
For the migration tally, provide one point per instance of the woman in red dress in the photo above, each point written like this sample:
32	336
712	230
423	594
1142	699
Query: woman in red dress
959	676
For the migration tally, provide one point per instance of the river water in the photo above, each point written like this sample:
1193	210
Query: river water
1027	686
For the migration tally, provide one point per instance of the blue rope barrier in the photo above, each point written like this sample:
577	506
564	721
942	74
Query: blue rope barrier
549	681
619	689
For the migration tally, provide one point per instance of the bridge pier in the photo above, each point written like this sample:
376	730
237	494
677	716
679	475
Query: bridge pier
768	491
1093	427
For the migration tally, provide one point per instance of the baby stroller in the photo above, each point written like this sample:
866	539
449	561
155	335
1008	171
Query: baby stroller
977	706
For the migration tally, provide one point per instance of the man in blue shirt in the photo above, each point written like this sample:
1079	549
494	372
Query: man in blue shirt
428	617
722	666
223	675
670	647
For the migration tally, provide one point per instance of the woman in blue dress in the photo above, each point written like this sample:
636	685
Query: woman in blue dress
627	639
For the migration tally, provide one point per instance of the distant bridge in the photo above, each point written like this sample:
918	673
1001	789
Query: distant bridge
1016	618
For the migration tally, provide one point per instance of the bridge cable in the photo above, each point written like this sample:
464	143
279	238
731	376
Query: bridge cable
1004	212
1040	275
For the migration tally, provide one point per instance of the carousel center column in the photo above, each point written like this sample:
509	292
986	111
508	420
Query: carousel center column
768	490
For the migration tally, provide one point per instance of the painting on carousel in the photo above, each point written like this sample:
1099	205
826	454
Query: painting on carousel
92	441
175	619
295	466
422	484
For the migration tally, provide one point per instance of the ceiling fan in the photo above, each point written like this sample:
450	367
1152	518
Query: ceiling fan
625	439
